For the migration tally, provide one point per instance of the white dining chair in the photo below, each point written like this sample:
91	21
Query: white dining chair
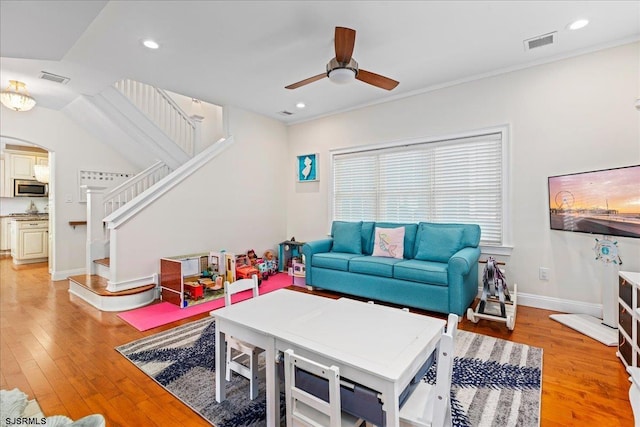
430	405
305	409
240	351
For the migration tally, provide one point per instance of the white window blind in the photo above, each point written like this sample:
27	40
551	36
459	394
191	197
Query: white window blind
459	180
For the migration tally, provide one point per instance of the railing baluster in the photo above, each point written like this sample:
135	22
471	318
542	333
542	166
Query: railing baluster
162	110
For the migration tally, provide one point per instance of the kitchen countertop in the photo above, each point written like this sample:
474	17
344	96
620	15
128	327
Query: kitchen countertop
27	217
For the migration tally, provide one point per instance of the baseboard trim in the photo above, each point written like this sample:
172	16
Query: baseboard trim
64	274
557	304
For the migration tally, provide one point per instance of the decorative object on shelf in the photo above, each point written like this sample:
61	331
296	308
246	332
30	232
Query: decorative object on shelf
308	167
16	97
607	251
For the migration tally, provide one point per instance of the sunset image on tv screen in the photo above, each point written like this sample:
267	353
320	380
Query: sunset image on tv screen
601	202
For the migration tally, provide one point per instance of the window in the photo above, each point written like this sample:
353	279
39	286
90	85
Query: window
459	180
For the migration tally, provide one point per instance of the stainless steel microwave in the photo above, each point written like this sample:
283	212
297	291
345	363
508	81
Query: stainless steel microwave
30	188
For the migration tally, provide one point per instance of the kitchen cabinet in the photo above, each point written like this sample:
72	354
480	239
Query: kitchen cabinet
21	165
29	241
16	164
5	234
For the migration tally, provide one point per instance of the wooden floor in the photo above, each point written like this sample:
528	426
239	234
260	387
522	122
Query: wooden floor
60	350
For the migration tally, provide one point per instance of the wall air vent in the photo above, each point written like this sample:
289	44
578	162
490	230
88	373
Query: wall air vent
543	40
285	113
44	75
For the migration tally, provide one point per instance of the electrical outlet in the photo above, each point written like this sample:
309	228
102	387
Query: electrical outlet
543	273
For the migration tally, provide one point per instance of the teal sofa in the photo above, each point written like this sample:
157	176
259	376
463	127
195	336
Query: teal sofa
436	268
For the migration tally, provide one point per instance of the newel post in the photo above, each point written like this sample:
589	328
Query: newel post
96	239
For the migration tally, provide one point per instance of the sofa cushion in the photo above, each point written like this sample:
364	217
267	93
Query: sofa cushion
332	260
347	237
437	243
389	242
367	237
373	265
409	236
433	273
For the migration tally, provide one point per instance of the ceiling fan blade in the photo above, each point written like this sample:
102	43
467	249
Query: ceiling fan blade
345	39
306	81
376	80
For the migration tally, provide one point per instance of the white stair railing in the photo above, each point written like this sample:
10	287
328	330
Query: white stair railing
163	111
134	186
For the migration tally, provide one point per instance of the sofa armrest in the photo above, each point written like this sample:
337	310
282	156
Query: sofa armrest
464	260
463	279
317	246
311	248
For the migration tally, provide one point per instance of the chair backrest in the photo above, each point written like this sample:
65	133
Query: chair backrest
295	395
441	403
239	286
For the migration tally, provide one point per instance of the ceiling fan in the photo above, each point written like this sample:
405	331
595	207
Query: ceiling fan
343	68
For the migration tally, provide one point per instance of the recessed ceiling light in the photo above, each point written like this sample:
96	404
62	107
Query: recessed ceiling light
151	44
580	23
301	105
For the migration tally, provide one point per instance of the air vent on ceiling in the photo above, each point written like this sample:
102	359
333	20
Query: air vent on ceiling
285	113
543	40
54	77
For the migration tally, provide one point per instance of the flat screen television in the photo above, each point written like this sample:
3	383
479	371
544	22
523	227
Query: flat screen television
599	202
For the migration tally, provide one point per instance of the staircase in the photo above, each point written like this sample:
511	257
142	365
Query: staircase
142	119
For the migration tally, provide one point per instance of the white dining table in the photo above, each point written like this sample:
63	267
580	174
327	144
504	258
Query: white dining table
379	347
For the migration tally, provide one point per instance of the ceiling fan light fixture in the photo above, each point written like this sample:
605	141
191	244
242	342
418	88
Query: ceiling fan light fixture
16	97
342	75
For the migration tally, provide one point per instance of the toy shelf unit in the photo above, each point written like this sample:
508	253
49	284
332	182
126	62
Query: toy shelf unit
190	279
496	304
289	251
298	274
629	318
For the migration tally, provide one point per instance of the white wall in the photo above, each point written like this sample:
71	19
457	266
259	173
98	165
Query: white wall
72	149
568	116
237	202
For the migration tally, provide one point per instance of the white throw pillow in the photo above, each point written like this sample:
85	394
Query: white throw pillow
389	242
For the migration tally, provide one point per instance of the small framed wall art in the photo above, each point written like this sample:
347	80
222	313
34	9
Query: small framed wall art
307	167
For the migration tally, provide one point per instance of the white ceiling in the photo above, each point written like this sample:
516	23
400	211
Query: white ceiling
244	53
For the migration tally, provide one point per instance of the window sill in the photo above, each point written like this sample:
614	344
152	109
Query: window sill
496	250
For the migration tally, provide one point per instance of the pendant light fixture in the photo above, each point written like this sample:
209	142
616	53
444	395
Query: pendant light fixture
42	173
16	97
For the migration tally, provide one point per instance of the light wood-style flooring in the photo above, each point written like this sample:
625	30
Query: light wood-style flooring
60	350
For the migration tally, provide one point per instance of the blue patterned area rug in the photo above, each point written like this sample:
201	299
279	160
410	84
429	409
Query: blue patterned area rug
495	382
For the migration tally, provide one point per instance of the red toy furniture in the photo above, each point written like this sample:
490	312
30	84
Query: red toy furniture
194	290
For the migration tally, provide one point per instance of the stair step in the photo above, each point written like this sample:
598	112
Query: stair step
103	261
98	285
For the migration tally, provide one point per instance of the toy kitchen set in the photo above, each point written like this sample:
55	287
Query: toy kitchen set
24	217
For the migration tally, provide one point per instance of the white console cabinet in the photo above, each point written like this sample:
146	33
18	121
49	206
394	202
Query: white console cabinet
629	318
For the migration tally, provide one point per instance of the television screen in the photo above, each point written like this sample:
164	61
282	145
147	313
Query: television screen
600	202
